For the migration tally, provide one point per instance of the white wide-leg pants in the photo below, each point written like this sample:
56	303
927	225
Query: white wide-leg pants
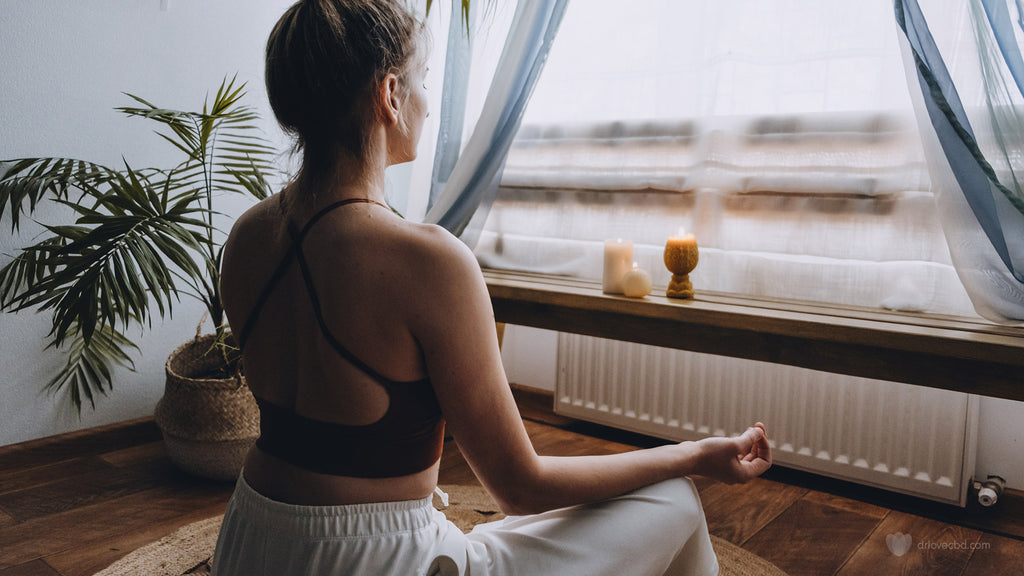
653	531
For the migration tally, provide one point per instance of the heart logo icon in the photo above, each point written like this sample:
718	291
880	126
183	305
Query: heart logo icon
898	543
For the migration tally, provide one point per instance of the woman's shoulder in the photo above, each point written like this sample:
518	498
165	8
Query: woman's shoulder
446	278
253	238
257	228
264	214
436	251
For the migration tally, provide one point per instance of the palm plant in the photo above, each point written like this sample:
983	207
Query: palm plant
465	6
141	237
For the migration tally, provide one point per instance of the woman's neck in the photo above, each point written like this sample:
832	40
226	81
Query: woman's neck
348	177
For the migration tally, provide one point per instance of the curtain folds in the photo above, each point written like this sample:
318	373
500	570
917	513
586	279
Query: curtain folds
473	180
971	119
458	54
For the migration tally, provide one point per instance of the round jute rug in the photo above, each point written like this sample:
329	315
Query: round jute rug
188	551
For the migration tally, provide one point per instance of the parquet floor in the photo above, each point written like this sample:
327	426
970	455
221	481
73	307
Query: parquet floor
71	505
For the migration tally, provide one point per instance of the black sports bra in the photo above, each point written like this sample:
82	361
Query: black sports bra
407	439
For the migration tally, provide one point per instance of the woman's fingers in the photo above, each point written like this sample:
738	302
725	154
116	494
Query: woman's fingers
764	449
758	466
755	453
737	459
751	438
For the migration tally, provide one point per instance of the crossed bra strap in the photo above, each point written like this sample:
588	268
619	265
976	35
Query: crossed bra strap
282	268
407	439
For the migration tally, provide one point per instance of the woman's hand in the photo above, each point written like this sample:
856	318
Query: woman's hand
735	460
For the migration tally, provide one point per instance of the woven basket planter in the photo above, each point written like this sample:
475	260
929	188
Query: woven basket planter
208	424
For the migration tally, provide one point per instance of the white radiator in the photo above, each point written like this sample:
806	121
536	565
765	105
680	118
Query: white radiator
909	439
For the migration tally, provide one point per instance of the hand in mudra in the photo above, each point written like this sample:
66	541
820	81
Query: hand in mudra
736	460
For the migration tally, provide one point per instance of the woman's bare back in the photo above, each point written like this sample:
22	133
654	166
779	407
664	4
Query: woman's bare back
355	257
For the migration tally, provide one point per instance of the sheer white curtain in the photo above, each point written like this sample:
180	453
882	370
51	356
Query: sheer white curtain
780	133
485	93
472	183
965	70
461	68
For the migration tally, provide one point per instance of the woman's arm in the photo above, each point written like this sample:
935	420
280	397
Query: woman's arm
454	324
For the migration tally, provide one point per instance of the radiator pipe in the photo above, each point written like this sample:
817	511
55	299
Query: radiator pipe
990	490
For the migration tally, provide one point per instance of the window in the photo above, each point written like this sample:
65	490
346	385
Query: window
780	133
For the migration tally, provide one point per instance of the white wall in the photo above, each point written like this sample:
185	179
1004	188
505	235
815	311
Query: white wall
1001	441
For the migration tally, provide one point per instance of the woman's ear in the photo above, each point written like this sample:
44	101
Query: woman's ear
388	99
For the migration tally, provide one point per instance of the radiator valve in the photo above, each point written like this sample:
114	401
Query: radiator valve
990	490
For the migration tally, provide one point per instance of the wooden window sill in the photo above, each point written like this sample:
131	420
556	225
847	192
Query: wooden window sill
953	353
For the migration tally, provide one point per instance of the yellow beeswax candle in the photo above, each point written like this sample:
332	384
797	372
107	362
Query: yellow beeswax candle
681	257
636	283
681	253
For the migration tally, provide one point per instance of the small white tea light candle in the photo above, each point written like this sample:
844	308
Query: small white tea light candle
636	283
618	254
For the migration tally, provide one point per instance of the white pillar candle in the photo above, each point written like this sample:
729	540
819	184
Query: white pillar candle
618	257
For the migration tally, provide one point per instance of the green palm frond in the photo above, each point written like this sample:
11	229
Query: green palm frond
30	180
465	6
223	151
112	265
141	237
87	372
34	264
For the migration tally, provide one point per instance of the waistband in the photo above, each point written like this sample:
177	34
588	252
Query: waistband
344	521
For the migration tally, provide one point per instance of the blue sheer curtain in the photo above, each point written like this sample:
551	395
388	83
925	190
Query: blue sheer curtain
971	119
470	183
458	55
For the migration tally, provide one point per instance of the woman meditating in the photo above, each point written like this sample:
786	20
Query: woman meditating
365	336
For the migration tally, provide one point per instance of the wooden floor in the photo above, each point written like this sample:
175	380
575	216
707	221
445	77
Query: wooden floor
72	505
